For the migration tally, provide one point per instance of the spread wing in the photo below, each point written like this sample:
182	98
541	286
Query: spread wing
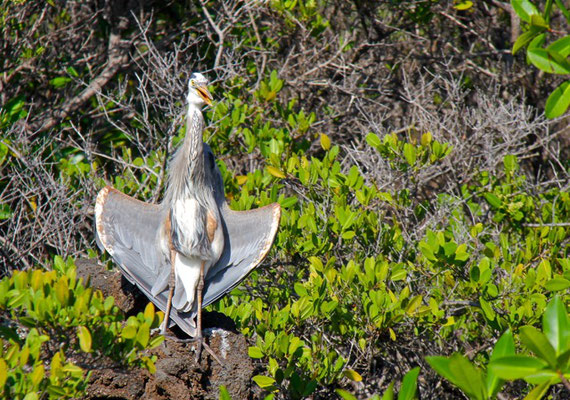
248	235
129	230
132	232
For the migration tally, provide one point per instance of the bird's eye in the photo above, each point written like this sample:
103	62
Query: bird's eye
192	82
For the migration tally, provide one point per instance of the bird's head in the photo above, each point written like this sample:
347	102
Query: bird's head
198	92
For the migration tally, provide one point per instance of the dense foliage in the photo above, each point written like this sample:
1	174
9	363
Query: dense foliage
425	197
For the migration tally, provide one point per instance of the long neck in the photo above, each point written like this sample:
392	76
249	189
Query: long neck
187	165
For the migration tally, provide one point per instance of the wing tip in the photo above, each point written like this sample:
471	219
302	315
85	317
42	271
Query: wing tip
272	232
99	209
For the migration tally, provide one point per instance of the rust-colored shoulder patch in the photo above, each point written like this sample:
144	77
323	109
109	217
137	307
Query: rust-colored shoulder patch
211	225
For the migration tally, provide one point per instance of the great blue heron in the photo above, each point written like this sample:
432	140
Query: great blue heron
191	249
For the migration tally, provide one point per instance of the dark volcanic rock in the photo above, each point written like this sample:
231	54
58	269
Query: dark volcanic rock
177	376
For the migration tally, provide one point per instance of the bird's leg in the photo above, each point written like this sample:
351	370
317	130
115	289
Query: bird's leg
171	283
199	338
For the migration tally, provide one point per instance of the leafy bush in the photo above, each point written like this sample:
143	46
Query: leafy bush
553	58
550	365
52	318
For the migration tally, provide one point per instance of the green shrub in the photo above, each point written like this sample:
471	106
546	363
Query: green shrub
55	318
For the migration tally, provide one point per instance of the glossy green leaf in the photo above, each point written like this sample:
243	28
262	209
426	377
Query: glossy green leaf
558	101
408	390
255	352
60	81
523	40
459	371
263	381
143	334
561	46
556	326
538	343
464	5
505	346
352	375
3	372
5	211
345	395
524	9
516	367
548	61
389	393
373	140
129	332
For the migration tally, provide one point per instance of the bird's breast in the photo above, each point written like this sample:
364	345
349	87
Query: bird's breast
195	230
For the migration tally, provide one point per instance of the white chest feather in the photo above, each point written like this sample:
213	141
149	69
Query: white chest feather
186	215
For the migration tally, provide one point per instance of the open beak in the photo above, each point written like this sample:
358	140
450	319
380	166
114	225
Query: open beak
205	94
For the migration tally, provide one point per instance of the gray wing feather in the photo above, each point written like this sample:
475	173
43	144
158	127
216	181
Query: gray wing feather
130	230
248	235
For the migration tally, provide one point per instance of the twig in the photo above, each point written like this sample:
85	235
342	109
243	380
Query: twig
551	225
117	57
218	31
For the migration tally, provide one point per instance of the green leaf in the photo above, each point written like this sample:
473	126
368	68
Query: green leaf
60	81
464	5
505	346
538	343
143	335
84	339
255	352
516	367
345	395
557	284
409	385
493	200
537	42
459	371
558	101
129	332
3	372
538	21
373	140
325	141
410	153
524	9
263	381
352	375
561	46
487	309
224	394
5	211
523	40
276	172
538	391
548	61
389	393
556	326
156	341
73	72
